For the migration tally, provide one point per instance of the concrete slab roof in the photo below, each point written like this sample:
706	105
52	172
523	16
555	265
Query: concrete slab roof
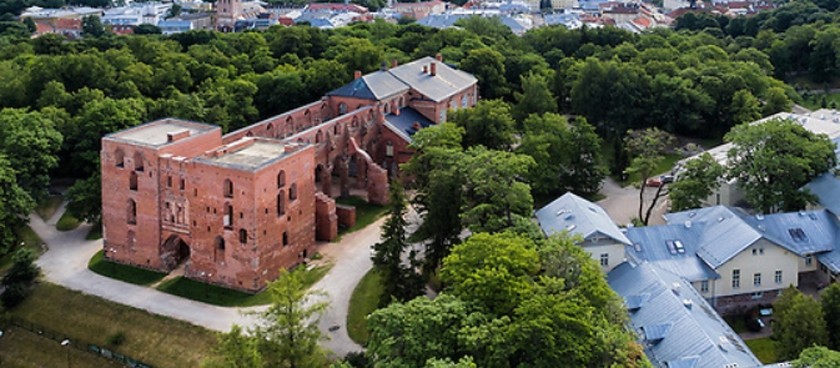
156	133
252	156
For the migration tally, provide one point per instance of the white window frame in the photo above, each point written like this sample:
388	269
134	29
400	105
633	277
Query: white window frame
605	259
704	286
778	276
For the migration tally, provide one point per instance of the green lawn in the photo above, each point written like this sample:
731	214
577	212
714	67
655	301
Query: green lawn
737	323
20	348
363	302
366	213
46	209
67	222
95	232
765	349
217	295
121	272
30	240
156	340
814	102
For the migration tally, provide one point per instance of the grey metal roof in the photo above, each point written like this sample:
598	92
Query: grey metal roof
578	216
447	81
725	231
676	325
827	189
404	123
650	244
374	86
441	21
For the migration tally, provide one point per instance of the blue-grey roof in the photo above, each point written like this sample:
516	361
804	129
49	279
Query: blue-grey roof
651	243
579	217
441	21
725	232
514	26
827	189
676	325
374	86
404	123
561	18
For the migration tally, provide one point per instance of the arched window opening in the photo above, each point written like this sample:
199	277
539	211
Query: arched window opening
270	127
220	243
342	108
281	179
138	161
335	129
281	203
319	137
119	158
293	192
355	122
227	219
387	108
285	238
131	240
243	236
132	181
389	149
228	188
132	212
402	102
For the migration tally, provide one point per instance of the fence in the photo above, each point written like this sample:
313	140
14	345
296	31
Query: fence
74	343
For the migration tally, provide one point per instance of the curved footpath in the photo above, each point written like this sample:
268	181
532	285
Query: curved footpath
65	264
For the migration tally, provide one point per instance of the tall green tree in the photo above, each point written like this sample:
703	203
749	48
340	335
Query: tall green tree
647	149
798	323
745	108
84	198
584	170
817	357
773	160
15	204
235	350
401	280
488	66
489	124
535	97
547	139
696	182
830	300
92	26
287	333
31	143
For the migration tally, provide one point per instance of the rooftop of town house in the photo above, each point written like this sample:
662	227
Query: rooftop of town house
249	153
162	132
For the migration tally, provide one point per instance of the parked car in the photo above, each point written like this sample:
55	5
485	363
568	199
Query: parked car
654	182
666	179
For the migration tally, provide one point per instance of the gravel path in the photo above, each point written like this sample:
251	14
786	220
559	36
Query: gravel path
65	264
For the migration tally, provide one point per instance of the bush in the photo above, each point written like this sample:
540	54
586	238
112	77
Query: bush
357	359
23	269
14	295
116	339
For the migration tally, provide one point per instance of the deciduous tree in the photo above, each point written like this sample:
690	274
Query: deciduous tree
830	300
695	182
798	323
535	98
489	123
647	149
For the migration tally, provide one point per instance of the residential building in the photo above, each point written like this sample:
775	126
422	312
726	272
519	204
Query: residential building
420	10
234	209
136	14
186	22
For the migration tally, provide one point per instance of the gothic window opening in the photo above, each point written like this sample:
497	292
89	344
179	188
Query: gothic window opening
132	181
293	192
119	157
243	236
132	212
281	203
138	161
281	179
228	188
227	219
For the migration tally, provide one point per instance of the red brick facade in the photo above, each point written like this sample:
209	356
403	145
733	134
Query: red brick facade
237	208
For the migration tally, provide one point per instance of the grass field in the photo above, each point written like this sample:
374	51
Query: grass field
156	340
363	302
814	102
20	348
121	272
46	209
765	349
95	232
366	213
29	239
67	222
217	295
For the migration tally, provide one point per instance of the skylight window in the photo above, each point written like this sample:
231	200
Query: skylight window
679	245
798	235
671	246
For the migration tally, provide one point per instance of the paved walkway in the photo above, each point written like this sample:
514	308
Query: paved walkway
65	264
622	203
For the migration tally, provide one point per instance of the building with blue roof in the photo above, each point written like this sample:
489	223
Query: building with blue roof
600	236
675	324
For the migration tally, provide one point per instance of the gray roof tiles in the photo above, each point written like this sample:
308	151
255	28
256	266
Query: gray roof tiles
652	245
678	327
578	216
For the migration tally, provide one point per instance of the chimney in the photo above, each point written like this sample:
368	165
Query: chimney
383	66
439	57
425	69
357	74
394	63
433	69
416	126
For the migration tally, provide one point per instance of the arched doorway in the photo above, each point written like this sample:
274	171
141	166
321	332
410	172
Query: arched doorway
174	252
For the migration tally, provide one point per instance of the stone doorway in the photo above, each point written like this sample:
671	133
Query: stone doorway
174	252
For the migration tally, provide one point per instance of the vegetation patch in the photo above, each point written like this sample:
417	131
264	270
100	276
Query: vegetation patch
366	213
95	232
822	101
364	301
221	296
67	222
765	349
46	209
153	339
23	349
129	274
27	238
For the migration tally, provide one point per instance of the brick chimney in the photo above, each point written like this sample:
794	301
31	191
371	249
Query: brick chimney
439	57
425	69
394	63
433	69
357	74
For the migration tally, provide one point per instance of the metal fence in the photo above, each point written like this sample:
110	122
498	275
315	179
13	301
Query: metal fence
74	343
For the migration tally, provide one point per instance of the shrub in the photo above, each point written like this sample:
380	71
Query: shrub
23	269
116	339
14	295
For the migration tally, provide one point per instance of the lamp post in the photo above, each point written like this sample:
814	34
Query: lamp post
66	343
